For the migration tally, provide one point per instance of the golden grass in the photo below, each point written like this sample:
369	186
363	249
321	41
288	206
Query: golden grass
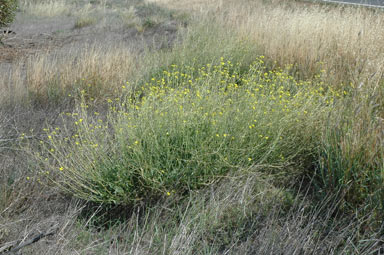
12	86
46	8
106	67
344	41
188	5
53	74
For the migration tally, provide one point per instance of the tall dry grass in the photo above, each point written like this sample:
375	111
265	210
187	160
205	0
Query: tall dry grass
103	66
187	5
344	41
53	75
46	8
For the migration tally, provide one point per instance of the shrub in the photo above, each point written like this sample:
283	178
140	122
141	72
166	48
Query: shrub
185	130
7	12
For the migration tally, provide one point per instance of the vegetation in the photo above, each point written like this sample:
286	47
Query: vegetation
187	128
259	130
7	12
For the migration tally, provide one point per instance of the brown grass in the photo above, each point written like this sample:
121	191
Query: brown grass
346	42
99	69
47	8
343	41
188	5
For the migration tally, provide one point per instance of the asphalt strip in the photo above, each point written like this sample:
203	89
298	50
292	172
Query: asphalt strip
357	4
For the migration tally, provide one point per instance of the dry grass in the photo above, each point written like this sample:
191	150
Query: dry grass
188	5
46	8
12	88
243	215
98	68
345	42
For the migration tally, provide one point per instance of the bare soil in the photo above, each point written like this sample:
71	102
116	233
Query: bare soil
46	34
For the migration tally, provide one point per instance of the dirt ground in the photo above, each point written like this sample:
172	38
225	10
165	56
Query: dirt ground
48	34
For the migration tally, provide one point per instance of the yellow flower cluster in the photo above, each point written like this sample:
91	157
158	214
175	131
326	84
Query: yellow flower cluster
190	123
